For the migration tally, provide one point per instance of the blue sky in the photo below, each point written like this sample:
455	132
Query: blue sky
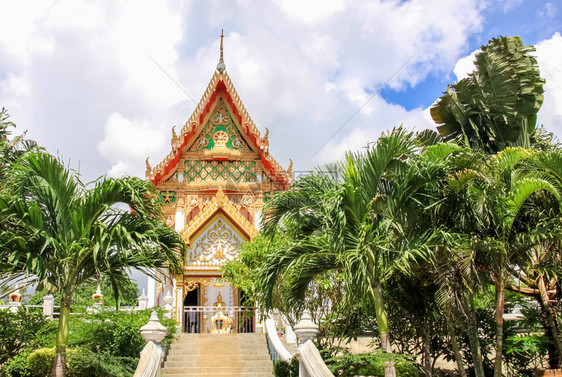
532	20
80	75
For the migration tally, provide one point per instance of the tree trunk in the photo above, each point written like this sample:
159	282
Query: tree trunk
500	305
59	367
474	343
382	323
554	362
427	364
455	345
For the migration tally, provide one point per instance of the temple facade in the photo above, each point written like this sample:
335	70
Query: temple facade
214	183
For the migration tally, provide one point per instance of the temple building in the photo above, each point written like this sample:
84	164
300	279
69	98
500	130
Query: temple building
214	183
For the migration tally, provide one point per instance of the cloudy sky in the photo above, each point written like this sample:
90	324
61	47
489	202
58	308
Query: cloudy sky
98	82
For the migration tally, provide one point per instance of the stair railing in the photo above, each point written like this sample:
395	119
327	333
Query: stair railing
152	355
311	363
276	348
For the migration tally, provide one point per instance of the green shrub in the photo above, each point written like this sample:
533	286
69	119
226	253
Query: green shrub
18	331
371	364
284	369
85	363
281	369
17	366
41	361
117	333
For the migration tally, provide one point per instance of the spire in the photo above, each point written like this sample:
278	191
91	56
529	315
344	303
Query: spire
221	67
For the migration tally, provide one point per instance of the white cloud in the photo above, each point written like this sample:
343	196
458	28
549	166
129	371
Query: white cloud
509	5
465	65
77	73
127	143
549	11
549	55
311	10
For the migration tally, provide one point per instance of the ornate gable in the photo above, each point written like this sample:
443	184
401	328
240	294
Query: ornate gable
220	203
220	132
220	109
217	243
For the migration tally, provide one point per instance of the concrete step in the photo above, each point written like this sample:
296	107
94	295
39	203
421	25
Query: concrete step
219	374
218	370
213	363
226	358
230	355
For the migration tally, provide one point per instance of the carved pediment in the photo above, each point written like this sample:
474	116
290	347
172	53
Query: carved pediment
217	244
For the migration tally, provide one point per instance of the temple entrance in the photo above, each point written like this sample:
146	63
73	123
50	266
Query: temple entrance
217	310
192	319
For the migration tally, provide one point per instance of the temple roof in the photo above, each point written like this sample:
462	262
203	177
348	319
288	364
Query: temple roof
220	88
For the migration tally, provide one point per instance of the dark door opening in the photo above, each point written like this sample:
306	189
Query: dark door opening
245	320
191	314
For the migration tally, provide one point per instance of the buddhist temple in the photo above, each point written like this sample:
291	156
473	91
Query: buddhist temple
214	183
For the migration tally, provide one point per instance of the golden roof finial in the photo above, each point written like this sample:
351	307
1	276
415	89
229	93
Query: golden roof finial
148	168
221	67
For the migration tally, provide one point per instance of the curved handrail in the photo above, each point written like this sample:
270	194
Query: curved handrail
308	355
150	362
276	341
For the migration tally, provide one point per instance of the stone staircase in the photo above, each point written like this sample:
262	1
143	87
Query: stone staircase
230	355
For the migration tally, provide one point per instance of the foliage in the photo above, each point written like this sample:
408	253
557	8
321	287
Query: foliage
496	105
18	331
371	364
83	294
107	343
242	272
65	234
17	366
283	368
81	363
116	333
85	363
524	353
40	362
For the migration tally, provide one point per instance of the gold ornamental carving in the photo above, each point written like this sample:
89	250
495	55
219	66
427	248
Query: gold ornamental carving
218	245
219	201
191	282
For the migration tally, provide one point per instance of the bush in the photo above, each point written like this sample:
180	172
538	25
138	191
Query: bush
41	361
81	363
371	364
284	369
17	366
85	363
18	331
105	344
281	369
116	333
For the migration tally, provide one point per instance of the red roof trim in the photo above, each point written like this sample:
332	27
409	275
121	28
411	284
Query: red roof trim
220	87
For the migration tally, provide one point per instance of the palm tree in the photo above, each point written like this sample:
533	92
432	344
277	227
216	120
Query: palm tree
496	106
539	264
495	198
348	222
65	234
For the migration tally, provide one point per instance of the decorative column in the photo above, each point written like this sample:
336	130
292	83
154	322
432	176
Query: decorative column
48	305
98	299
152	355
143	301
305	330
153	331
168	299
15	301
290	335
179	303
151	291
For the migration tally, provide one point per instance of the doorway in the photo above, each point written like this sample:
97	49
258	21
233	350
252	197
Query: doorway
191	314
